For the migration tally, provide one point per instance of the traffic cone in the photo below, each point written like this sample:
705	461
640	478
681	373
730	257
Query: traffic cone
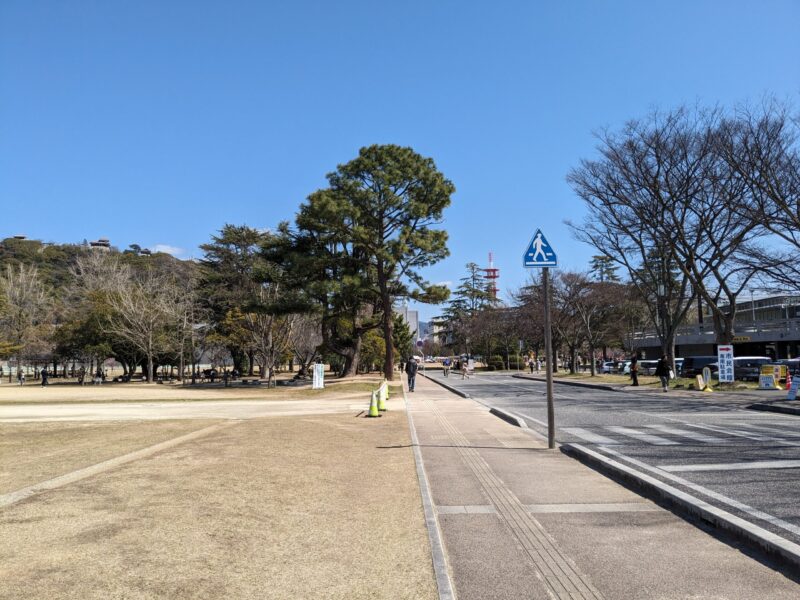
373	406
788	378
381	393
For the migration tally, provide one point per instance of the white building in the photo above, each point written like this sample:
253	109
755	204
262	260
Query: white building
411	317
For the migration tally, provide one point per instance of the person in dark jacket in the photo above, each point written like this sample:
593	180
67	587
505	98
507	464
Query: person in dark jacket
634	368
411	371
662	371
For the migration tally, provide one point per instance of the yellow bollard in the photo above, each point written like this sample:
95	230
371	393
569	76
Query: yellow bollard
373	406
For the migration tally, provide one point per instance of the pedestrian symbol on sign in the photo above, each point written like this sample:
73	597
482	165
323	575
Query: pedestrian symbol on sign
539	252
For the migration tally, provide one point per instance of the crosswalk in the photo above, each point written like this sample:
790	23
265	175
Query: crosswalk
687	434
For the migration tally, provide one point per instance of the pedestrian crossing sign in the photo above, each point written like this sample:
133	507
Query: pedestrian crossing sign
539	253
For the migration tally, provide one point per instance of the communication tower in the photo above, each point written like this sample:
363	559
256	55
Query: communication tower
491	275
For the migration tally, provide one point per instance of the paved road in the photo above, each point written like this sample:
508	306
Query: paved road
743	461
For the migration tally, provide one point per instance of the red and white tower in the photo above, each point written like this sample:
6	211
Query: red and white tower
492	275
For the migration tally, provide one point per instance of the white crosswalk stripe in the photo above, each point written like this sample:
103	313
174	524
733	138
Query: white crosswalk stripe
692	435
644	437
587	435
773	429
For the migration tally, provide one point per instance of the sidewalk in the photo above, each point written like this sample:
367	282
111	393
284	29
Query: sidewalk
519	520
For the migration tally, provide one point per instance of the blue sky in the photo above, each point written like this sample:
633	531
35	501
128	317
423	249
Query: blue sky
156	122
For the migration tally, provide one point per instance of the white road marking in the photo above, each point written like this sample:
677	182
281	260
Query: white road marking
774	429
710	493
692	435
644	437
587	435
759	464
744	434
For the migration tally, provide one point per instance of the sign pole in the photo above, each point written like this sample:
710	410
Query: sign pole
548	355
541	255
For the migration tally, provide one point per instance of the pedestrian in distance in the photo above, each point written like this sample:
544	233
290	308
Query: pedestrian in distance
44	377
20	377
634	370
531	365
464	369
446	366
662	372
411	371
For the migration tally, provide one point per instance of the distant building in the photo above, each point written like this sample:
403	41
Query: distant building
411	317
101	244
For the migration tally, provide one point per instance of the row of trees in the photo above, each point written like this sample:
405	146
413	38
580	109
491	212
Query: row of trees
323	286
694	204
591	312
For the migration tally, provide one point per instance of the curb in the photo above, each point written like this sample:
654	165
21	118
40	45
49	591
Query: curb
449	388
596	386
754	535
441	571
776	408
508	417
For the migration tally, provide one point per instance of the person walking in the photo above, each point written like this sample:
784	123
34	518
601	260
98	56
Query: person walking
20	376
531	365
662	372
44	377
411	371
446	366
464	369
634	370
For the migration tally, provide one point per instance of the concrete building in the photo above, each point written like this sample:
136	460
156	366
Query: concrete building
768	326
411	317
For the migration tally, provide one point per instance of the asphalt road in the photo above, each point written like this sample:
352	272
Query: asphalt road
743	461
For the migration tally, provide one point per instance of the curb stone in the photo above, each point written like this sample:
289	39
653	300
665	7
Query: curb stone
751	534
449	388
777	408
508	417
596	386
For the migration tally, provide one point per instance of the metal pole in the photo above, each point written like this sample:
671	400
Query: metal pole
548	350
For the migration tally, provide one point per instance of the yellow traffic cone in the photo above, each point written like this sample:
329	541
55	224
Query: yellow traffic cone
373	406
381	393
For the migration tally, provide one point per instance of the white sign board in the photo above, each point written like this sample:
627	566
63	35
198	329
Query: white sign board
793	389
319	377
766	382
725	362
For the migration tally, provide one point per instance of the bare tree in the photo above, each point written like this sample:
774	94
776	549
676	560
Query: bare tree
663	204
24	321
762	147
305	340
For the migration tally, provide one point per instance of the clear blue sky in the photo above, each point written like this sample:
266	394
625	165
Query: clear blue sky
156	122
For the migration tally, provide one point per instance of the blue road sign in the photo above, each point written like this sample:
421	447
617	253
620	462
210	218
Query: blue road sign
539	253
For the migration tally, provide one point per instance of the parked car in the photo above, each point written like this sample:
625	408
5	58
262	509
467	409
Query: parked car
608	367
647	367
624	367
793	364
693	365
745	368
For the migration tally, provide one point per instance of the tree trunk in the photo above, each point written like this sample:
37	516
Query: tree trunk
594	365
351	359
149	368
388	324
251	363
